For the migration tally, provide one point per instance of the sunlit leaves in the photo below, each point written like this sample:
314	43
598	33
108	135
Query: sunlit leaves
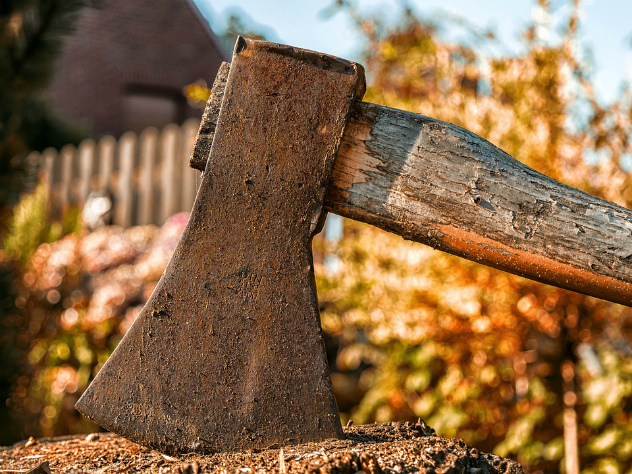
476	352
79	295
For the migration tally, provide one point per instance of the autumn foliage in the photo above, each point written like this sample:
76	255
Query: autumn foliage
508	364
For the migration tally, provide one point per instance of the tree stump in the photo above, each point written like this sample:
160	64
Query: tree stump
389	448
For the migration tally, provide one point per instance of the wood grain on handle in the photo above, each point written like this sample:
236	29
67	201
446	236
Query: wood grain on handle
441	185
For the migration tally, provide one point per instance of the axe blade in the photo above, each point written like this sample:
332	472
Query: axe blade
227	354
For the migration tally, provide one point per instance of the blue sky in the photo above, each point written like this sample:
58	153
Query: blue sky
606	26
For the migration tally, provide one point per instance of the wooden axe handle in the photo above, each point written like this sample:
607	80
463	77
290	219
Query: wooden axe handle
439	184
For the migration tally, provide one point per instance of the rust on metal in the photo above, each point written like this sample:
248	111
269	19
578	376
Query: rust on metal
227	354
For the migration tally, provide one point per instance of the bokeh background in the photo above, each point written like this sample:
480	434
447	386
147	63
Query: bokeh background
518	368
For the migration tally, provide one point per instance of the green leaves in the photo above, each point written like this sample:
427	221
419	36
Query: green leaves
29	225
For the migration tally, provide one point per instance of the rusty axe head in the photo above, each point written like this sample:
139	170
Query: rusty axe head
227	353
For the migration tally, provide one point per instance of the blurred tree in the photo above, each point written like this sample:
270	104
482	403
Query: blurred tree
508	364
31	36
29	227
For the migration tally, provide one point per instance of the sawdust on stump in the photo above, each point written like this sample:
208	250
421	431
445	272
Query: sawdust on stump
390	448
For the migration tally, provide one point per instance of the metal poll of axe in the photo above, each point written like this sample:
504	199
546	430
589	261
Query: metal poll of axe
227	354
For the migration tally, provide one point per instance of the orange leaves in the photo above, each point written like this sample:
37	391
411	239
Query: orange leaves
476	352
79	295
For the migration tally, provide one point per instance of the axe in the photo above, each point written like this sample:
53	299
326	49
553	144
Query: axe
227	354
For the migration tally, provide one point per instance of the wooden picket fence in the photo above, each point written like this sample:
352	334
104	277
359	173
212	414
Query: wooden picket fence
146	175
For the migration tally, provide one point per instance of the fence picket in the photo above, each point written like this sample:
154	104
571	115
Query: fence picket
123	196
147	148
67	155
87	158
106	147
47	166
168	145
148	177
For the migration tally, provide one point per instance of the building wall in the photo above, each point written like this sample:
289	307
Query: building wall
125	66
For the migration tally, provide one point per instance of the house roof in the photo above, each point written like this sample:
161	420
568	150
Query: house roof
122	49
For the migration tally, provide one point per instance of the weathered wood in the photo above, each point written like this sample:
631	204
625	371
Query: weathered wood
169	150
441	185
86	164
106	147
47	166
148	143
66	154
133	164
123	196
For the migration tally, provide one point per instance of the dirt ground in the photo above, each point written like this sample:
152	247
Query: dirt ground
390	448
